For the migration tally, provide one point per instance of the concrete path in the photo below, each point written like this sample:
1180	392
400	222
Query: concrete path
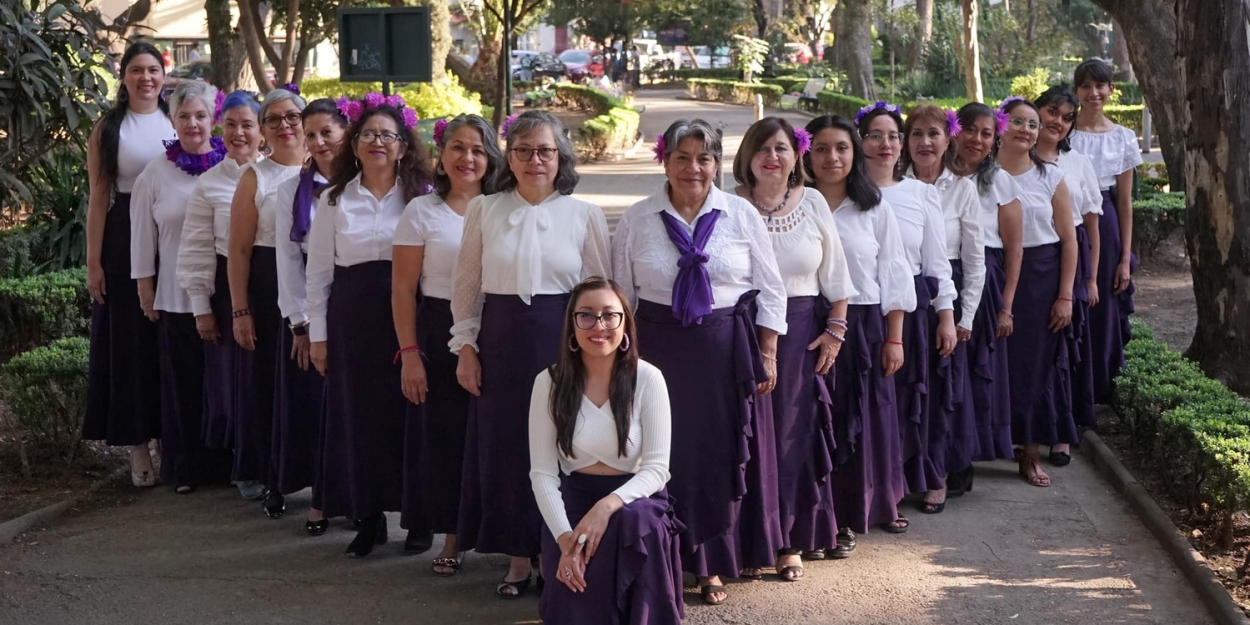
1007	553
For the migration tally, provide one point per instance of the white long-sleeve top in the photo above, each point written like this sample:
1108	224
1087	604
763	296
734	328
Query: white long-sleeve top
291	277
740	255
1037	192
1082	181
270	175
1001	191
875	256
430	223
358	229
595	440
809	250
1111	153
961	214
512	247
158	204
918	208
206	232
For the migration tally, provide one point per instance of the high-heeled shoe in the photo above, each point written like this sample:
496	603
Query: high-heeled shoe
274	504
372	533
960	482
418	542
317	528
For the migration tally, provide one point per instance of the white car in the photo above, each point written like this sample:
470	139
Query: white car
704	58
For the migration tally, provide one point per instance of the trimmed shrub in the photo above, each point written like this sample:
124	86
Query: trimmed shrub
733	91
840	104
46	391
16	258
1156	216
1127	115
688	73
615	129
36	310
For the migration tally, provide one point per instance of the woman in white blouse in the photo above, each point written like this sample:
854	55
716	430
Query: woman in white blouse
1057	108
202	272
599	434
814	271
158	205
382	168
952	436
1041	390
1001	221
253	274
123	384
868	482
427	241
523	250
296	449
918	208
710	304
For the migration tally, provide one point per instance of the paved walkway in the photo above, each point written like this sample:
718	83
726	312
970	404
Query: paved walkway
1007	553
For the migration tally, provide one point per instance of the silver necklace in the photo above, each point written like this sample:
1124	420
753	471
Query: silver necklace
769	211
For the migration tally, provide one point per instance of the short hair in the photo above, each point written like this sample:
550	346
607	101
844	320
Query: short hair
925	113
700	129
756	135
190	91
1096	70
527	123
280	95
1059	95
240	98
494	155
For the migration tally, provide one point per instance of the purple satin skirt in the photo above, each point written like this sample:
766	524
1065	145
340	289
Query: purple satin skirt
1041	385
184	459
987	363
953	440
221	406
915	390
1080	348
635	575
1108	321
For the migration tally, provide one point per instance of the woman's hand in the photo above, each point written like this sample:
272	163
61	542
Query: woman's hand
95	282
317	353
1123	277
147	300
770	370
946	339
469	371
299	351
962	335
1006	324
571	571
829	348
412	377
595	523
245	332
891	357
1060	314
1091	286
206	325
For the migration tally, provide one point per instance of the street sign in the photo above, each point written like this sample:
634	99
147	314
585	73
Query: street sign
385	45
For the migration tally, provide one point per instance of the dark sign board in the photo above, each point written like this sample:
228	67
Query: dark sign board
385	45
677	34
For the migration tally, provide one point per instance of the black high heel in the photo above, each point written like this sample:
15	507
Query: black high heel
518	588
960	482
316	528
372	533
274	504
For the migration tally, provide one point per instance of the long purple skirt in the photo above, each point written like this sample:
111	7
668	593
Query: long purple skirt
803	419
498	513
1041	386
953	440
723	462
987	362
434	431
1080	348
255	371
635	575
869	484
123	380
221	406
914	390
362	456
184	459
295	449
1108	321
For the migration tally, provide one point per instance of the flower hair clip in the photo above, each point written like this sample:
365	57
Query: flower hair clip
879	104
1001	120
217	102
660	149
292	87
953	128
354	109
802	140
440	128
507	124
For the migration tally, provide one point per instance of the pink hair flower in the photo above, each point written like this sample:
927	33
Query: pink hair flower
1002	120
952	123
802	140
351	109
507	123
396	101
410	117
440	128
660	149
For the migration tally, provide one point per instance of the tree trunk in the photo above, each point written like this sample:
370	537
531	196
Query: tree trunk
835	53
1213	56
924	8
972	52
857	52
1031	29
250	30
440	37
221	40
292	39
1119	54
760	13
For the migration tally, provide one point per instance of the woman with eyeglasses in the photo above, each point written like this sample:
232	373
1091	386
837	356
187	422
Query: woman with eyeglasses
868	480
523	250
1041	389
918	208
710	304
202	271
350	326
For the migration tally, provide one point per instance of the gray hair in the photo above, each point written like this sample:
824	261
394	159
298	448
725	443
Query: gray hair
529	122
279	95
495	160
683	129
190	91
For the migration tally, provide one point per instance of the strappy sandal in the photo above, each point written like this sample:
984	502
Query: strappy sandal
792	573
707	591
846	545
897	529
517	588
447	563
1038	477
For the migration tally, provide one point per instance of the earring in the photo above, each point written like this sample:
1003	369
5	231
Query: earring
438	169
625	344
794	177
573	345
999	143
357	163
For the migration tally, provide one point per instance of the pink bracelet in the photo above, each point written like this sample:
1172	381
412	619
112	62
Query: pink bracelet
405	350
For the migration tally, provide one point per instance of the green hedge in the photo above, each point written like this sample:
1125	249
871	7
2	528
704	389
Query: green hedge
789	84
16	252
46	391
615	128
688	73
1127	115
840	104
429	100
733	91
36	310
1156	216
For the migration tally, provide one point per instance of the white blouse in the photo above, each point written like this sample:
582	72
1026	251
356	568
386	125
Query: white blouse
1078	174
512	247
918	208
875	257
290	255
206	232
1037	193
1002	191
595	440
1112	153
140	138
270	175
357	229
428	221
158	204
809	250
961	213
740	255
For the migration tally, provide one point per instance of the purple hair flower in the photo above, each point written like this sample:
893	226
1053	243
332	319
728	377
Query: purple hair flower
218	101
660	149
1002	106
351	109
507	123
374	99
440	128
292	87
396	101
953	128
1002	120
410	117
802	140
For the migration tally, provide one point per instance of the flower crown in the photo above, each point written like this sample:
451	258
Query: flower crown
507	123
953	128
1000	115
880	104
440	128
354	109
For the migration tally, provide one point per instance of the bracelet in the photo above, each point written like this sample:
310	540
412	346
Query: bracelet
767	357
889	342
1064	299
242	312
837	337
405	350
833	321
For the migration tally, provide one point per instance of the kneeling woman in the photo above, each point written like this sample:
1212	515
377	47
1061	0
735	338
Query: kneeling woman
599	432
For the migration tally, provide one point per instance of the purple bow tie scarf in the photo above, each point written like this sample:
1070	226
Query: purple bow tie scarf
692	290
301	208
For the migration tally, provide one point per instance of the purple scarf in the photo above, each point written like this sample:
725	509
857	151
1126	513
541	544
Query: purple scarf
195	164
692	290
301	208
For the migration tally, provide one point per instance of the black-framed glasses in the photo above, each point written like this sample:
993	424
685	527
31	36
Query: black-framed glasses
274	122
609	320
386	138
544	154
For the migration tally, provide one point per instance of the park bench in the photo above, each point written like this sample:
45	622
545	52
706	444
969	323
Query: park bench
807	98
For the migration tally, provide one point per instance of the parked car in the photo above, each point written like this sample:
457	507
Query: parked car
200	70
582	64
703	57
536	66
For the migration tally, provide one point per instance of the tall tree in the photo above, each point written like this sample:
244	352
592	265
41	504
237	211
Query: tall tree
972	52
221	38
1119	54
856	48
924	10
603	21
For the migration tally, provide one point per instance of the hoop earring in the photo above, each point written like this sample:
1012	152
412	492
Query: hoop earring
573	345
357	164
625	344
438	169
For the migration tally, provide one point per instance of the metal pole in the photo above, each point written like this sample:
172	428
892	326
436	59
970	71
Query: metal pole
507	57
386	88
1145	130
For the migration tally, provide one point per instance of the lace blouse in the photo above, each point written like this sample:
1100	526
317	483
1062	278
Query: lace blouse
809	250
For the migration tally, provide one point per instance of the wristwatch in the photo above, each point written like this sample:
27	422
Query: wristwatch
300	329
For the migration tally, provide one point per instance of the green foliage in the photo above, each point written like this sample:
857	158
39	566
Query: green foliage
707	22
37	309
46	391
1030	86
750	56
59	213
686	73
16	259
429	100
1127	115
602	21
840	104
1156	216
733	91
614	129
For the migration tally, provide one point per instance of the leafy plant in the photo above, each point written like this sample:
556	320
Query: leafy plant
46	390
15	252
59	213
429	100
751	55
35	310
1031	85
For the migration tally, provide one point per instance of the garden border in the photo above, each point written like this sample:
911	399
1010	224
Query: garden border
11	529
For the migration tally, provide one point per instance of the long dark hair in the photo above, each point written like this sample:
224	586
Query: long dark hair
988	167
925	113
568	375
865	123
1037	160
859	186
414	172
1059	95
111	122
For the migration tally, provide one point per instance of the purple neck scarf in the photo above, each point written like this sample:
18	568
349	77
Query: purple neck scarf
692	290
301	208
195	164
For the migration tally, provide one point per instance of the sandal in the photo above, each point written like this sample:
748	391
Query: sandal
1031	471
846	545
894	528
815	554
790	573
928	507
513	590
447	563
754	575
711	589
1059	458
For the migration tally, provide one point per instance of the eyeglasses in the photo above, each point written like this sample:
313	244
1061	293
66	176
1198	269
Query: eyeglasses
386	138
882	137
1019	123
274	122
609	320
544	154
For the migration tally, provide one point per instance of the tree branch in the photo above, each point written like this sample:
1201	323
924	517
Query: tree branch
292	40
251	9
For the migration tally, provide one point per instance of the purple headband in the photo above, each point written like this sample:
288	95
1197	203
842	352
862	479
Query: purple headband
354	109
880	104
